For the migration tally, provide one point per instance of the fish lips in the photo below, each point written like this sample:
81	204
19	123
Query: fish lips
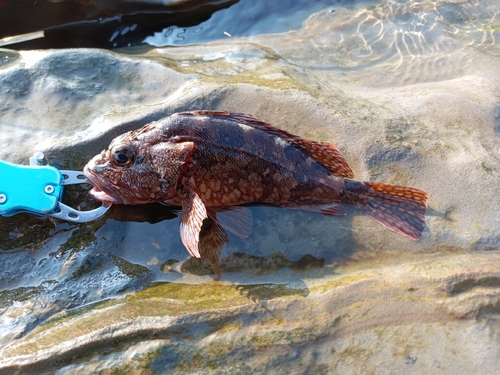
101	191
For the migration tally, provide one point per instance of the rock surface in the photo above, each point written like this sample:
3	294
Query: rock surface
409	92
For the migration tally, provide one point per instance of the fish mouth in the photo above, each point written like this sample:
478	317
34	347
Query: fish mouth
100	195
98	191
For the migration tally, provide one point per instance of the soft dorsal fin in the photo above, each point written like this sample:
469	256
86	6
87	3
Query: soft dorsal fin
328	155
324	153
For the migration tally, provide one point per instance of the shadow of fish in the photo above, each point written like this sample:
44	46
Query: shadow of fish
245	263
211	162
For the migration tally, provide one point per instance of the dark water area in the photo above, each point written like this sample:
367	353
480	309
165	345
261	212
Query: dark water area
114	24
98	24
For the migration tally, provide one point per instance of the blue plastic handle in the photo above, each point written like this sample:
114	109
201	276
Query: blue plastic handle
34	189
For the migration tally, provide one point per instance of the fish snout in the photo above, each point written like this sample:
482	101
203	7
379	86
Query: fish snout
99	160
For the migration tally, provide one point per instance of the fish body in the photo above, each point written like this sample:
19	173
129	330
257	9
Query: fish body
211	162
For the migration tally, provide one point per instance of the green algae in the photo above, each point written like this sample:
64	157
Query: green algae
229	326
191	353
130	269
8	297
488	169
245	64
25	231
260	292
258	79
159	300
80	239
196	361
214	295
139	364
413	134
219	349
275	339
136	366
488	27
188	298
479	228
215	355
396	174
343	281
88	265
431	267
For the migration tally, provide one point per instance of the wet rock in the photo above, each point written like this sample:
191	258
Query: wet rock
25	231
408	99
350	323
51	98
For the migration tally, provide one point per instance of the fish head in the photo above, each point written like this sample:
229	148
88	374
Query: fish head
137	170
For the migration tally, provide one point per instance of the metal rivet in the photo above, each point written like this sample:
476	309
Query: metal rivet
49	189
40	158
3	198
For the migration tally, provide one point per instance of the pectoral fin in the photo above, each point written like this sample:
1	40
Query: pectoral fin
202	236
192	216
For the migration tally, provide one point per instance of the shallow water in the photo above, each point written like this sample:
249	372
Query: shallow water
408	90
134	23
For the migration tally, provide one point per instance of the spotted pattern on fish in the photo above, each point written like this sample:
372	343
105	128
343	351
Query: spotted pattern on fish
209	162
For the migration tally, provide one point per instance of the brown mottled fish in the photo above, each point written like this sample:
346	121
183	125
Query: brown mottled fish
211	162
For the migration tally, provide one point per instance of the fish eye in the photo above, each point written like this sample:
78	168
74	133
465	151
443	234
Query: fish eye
123	156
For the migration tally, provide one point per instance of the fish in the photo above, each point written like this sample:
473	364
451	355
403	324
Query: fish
213	163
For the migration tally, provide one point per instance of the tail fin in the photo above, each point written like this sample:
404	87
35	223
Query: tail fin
400	209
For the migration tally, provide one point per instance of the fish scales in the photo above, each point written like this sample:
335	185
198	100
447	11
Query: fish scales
235	164
212	162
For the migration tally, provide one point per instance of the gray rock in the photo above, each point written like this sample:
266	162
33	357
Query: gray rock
60	98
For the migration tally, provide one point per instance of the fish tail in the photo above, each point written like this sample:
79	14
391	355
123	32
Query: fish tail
400	209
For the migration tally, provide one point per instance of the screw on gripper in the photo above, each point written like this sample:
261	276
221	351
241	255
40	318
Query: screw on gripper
38	159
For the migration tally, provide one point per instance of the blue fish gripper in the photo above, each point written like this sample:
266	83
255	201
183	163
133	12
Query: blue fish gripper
34	189
38	188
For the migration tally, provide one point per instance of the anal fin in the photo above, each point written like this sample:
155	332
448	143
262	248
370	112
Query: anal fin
333	208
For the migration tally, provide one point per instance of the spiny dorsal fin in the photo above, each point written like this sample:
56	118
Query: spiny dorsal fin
324	153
